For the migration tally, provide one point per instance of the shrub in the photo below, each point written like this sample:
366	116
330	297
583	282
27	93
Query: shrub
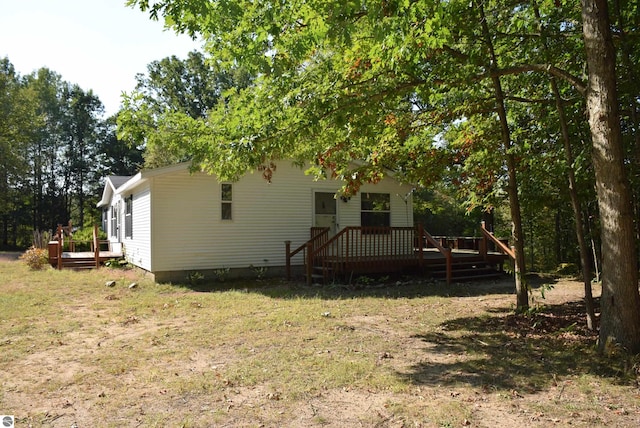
83	238
568	269
35	258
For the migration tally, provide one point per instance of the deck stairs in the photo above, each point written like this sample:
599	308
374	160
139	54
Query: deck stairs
78	263
468	269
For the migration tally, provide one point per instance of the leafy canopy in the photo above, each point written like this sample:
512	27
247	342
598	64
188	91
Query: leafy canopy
382	82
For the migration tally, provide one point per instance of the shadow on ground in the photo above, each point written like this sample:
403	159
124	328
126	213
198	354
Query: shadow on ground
385	287
404	287
525	353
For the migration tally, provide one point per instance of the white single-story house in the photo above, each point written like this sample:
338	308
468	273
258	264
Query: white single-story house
171	222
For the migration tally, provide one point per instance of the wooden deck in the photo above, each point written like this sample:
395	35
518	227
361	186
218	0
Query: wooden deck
103	255
466	264
83	259
60	259
365	250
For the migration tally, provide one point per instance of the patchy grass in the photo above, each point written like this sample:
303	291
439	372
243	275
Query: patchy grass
73	350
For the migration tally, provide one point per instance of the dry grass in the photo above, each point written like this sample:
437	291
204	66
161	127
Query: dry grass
274	354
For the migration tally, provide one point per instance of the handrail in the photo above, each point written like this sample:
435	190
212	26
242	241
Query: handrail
506	250
320	234
446	252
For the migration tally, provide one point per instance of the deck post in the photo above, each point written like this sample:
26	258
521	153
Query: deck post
449	259
484	244
287	249
309	262
420	246
96	246
60	233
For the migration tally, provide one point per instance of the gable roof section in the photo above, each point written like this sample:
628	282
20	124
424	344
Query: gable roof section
119	184
111	184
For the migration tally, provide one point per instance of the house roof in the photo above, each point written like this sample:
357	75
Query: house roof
119	184
111	184
118	180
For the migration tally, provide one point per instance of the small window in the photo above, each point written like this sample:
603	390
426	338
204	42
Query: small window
375	209
114	221
105	219
226	201
128	217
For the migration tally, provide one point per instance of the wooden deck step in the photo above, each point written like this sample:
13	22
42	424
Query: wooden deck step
78	263
320	274
466	271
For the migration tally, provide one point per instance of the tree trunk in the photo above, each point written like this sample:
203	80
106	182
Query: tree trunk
522	290
620	301
629	78
577	210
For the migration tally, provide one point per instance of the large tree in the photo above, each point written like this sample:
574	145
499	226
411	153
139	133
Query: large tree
382	82
170	101
18	119
620	302
52	148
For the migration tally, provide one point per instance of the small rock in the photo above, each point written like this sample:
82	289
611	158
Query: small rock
133	285
110	284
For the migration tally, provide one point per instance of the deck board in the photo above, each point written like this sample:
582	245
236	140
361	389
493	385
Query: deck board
104	255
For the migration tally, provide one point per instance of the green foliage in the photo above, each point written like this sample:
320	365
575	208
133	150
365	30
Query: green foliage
195	277
260	272
407	86
117	264
567	269
35	258
83	238
221	274
167	112
54	149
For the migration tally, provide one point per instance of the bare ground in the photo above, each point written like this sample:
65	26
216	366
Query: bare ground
449	385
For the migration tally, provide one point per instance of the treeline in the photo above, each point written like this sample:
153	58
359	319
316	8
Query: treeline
55	146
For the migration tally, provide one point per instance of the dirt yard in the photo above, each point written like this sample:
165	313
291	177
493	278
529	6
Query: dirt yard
79	354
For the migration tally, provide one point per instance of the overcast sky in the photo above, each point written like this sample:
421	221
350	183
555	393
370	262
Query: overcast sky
97	44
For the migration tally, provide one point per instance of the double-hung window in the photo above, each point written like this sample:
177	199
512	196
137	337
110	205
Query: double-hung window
128	217
114	221
375	209
226	201
105	219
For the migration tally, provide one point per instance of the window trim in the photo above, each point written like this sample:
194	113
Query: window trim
128	217
386	213
114	221
105	219
226	200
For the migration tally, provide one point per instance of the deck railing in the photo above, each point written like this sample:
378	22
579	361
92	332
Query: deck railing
369	248
499	244
360	249
57	245
445	251
319	236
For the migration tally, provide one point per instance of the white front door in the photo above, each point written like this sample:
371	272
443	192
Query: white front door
325	211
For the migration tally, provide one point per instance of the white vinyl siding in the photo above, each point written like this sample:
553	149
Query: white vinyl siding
137	248
178	226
